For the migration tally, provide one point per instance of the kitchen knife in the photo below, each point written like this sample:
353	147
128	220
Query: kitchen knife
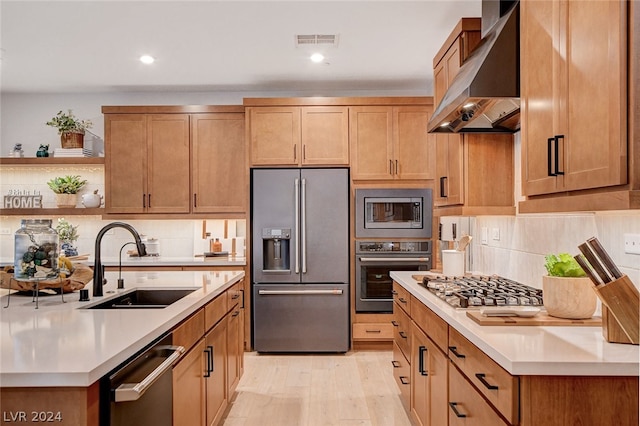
593	260
606	260
587	269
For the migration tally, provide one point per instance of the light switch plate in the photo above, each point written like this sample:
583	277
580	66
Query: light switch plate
632	243
5	231
484	238
495	234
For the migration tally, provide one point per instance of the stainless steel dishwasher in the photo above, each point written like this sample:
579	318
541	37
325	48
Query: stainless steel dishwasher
140	391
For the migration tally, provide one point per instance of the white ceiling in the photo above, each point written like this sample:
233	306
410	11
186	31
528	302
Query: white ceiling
92	46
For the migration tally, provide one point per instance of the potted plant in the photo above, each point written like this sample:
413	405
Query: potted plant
70	129
66	189
567	291
68	235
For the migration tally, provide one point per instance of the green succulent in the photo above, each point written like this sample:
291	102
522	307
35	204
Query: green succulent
66	184
68	123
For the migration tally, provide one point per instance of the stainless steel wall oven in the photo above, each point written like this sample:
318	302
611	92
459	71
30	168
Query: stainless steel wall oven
375	260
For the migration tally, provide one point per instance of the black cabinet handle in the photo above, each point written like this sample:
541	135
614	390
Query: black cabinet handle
404	380
144	200
403	300
443	193
149	196
481	377
403	334
549	155
209	352
421	351
235	314
395	364
394	292
557	138
454	350
242	292
195	200
454	407
395	323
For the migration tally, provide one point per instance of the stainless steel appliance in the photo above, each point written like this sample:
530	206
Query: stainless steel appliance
300	261
482	290
374	262
393	213
140	392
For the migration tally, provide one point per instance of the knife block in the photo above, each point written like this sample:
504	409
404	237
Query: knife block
620	311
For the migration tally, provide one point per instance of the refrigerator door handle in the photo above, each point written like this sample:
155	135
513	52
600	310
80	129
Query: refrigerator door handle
303	231
336	291
297	224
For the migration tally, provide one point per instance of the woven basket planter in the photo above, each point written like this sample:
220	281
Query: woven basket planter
72	140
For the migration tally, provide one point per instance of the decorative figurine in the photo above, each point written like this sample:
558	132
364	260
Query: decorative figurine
43	151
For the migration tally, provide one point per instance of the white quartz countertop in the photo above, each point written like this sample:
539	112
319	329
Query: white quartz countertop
62	344
162	261
535	350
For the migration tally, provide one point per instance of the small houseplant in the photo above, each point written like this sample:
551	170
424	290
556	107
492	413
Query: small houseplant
70	128
66	189
68	235
566	291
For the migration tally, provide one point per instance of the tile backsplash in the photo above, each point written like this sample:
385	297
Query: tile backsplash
525	239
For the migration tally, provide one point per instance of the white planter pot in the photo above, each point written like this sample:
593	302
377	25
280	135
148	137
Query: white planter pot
568	297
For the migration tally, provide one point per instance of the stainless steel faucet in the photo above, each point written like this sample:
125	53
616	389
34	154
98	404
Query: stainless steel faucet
98	269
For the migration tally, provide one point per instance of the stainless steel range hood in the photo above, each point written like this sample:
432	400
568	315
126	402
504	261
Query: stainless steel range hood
484	97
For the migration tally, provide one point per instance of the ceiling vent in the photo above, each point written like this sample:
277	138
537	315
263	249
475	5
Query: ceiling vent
329	40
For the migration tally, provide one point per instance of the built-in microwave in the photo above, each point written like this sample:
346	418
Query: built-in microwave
393	213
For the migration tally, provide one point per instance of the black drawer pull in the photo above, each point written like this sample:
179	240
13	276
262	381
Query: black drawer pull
402	300
235	314
403	334
395	323
454	407
454	350
395	364
373	331
404	380
209	352
394	292
481	377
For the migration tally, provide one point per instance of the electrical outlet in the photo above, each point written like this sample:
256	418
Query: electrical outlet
484	238
5	231
632	243
495	234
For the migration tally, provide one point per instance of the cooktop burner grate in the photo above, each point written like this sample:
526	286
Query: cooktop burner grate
482	290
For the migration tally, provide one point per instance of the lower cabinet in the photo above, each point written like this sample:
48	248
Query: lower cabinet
466	406
402	375
206	377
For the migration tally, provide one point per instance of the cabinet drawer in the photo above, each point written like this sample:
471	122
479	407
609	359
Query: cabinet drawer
497	385
215	310
190	331
435	327
402	374
402	297
372	331
234	295
466	405
402	330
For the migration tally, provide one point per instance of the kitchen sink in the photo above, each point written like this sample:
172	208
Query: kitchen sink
144	298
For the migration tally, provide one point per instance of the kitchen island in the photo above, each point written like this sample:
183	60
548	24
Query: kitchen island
64	347
524	375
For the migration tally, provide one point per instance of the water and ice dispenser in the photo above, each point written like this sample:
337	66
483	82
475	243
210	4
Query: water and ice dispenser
276	245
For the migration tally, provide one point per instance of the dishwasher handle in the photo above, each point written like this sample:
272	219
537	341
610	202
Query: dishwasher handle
133	391
336	291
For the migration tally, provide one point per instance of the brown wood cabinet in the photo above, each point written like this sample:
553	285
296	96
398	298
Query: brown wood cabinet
390	142
574	132
175	160
139	149
298	136
473	172
206	377
218	174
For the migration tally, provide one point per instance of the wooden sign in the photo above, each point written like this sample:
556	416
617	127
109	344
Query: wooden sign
22	201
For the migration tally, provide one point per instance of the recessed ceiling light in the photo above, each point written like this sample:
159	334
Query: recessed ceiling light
469	105
445	124
317	57
147	59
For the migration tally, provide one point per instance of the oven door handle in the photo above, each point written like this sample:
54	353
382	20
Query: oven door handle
133	391
394	259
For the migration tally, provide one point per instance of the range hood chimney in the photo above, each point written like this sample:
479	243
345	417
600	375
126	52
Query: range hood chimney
484	97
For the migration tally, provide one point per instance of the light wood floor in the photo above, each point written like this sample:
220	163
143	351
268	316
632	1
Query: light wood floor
356	388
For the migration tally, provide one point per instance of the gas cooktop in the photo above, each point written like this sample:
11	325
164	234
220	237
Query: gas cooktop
482	290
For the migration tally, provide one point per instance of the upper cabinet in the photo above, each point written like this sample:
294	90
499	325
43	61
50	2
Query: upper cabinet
390	142
574	105
298	135
140	149
174	160
473	172
218	175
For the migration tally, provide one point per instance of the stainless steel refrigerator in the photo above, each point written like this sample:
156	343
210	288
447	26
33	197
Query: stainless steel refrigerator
300	260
